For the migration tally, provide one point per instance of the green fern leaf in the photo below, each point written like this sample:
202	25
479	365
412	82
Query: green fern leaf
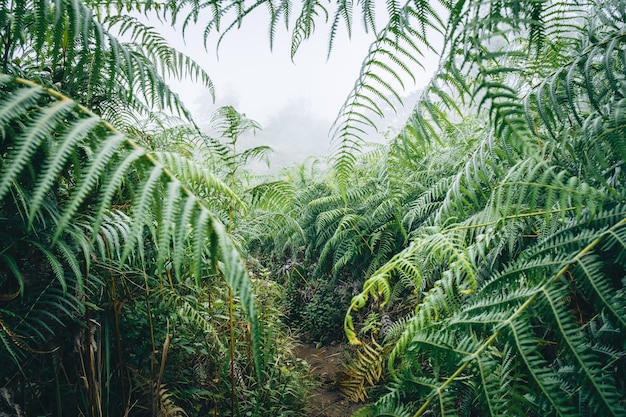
53	166
88	181
26	146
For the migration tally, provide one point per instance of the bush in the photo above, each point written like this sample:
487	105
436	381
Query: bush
318	306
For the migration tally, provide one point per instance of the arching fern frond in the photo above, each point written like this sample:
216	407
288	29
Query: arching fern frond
393	55
156	48
72	145
65	46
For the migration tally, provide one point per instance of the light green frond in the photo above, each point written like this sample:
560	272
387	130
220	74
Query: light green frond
428	203
183	232
140	210
26	145
88	181
345	239
231	124
237	278
77	133
192	310
260	153
113	182
325	219
167	220
276	195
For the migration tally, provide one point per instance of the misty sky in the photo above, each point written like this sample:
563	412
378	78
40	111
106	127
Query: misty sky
295	102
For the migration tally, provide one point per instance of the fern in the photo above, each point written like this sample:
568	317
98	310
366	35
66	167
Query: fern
107	157
304	26
170	62
395	52
498	319
520	208
362	371
83	59
203	181
507	226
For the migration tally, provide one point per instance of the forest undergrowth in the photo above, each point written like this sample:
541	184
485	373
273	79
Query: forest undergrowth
474	259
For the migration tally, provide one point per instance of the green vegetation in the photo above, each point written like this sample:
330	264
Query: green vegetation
476	261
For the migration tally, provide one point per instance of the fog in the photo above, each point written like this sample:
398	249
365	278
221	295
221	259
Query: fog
295	101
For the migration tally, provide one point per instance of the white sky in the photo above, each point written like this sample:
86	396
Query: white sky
295	102
263	82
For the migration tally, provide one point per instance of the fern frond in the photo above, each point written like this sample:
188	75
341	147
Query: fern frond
602	393
362	371
86	61
532	185
25	146
371	86
304	26
343	12
201	180
171	62
101	153
77	133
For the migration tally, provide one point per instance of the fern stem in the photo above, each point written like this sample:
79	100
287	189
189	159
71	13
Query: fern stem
513	216
231	324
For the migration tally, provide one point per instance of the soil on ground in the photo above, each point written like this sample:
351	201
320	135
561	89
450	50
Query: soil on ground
325	362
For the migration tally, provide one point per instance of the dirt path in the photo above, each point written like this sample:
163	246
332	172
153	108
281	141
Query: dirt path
325	362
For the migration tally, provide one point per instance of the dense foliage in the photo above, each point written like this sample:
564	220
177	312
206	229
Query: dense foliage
480	252
490	230
122	289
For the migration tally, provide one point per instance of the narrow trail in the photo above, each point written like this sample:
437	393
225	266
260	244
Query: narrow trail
325	362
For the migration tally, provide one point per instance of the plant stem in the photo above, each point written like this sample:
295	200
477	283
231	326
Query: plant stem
232	349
